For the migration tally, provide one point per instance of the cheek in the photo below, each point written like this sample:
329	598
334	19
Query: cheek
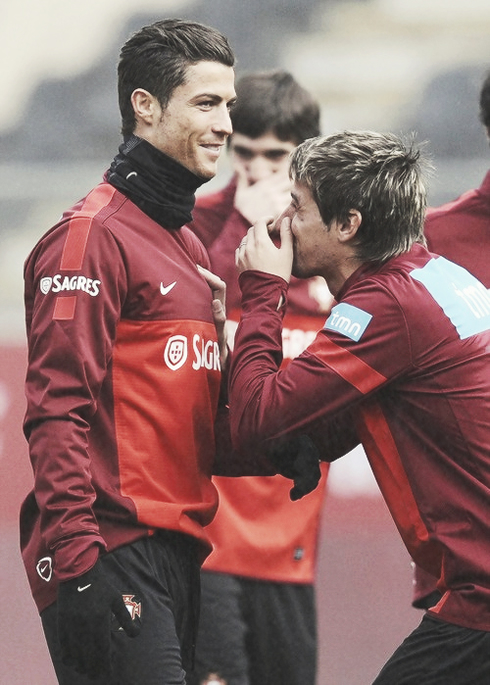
282	166
238	164
296	233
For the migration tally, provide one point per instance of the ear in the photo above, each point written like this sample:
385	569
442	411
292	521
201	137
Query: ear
347	230
145	106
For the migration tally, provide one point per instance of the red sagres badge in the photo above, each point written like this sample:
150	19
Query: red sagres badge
133	606
175	354
44	568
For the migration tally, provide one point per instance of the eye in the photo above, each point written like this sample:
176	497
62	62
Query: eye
242	152
275	155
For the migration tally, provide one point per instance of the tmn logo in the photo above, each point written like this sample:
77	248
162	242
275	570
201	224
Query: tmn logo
348	320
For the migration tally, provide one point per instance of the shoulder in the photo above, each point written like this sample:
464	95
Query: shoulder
211	212
194	246
439	217
391	287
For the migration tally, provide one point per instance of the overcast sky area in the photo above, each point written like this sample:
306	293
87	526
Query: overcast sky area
399	65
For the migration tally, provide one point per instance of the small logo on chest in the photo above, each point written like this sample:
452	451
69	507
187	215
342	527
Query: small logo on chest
165	289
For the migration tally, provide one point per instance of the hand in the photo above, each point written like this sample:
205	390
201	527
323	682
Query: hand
218	306
269	196
85	608
213	679
298	459
258	252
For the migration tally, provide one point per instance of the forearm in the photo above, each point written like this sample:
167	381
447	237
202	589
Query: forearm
256	358
267	403
65	495
228	461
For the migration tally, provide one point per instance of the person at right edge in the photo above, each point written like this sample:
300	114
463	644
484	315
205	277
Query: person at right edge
258	606
460	231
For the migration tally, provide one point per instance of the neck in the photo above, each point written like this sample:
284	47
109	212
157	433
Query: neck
156	183
337	275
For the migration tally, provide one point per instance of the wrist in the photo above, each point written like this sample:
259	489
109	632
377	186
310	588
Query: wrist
74	557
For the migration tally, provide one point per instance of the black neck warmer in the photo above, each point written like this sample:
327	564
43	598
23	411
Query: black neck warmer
161	187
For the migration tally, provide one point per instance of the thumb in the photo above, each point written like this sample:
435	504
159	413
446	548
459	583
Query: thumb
120	611
241	179
286	235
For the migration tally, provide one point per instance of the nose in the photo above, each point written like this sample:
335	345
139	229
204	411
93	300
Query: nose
286	213
223	122
258	168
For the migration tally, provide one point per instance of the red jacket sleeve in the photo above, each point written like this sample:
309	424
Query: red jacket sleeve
70	335
316	393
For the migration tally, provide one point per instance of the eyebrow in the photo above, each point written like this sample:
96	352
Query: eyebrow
268	151
215	97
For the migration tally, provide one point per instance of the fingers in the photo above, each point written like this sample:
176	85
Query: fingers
218	308
130	627
257	250
262	230
270	195
217	285
286	235
219	312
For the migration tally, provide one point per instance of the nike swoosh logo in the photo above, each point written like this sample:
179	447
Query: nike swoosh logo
165	289
85	587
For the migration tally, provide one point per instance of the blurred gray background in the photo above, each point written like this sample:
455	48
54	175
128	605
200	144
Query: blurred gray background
389	65
399	65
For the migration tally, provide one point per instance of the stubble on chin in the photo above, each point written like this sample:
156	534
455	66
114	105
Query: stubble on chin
296	270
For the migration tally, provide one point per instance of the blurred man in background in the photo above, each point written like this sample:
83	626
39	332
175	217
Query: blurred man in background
258	609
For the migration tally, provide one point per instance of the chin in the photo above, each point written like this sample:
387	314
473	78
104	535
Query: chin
207	174
296	271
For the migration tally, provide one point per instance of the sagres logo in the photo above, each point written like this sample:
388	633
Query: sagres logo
60	283
175	354
206	353
44	568
45	285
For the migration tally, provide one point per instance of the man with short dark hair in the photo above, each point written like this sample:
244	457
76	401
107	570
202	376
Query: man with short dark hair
460	230
401	366
124	378
258	605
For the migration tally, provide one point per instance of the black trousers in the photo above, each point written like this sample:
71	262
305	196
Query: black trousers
439	653
162	573
254	632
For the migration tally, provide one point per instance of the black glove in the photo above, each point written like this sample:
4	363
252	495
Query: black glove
85	608
298	459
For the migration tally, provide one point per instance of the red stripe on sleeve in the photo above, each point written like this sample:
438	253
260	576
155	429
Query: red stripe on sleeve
347	365
393	482
79	228
64	308
75	244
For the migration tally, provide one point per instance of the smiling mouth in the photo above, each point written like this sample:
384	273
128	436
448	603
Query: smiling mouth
214	149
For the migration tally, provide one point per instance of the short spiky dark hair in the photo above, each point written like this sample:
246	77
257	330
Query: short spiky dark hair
374	173
157	57
273	101
485	102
